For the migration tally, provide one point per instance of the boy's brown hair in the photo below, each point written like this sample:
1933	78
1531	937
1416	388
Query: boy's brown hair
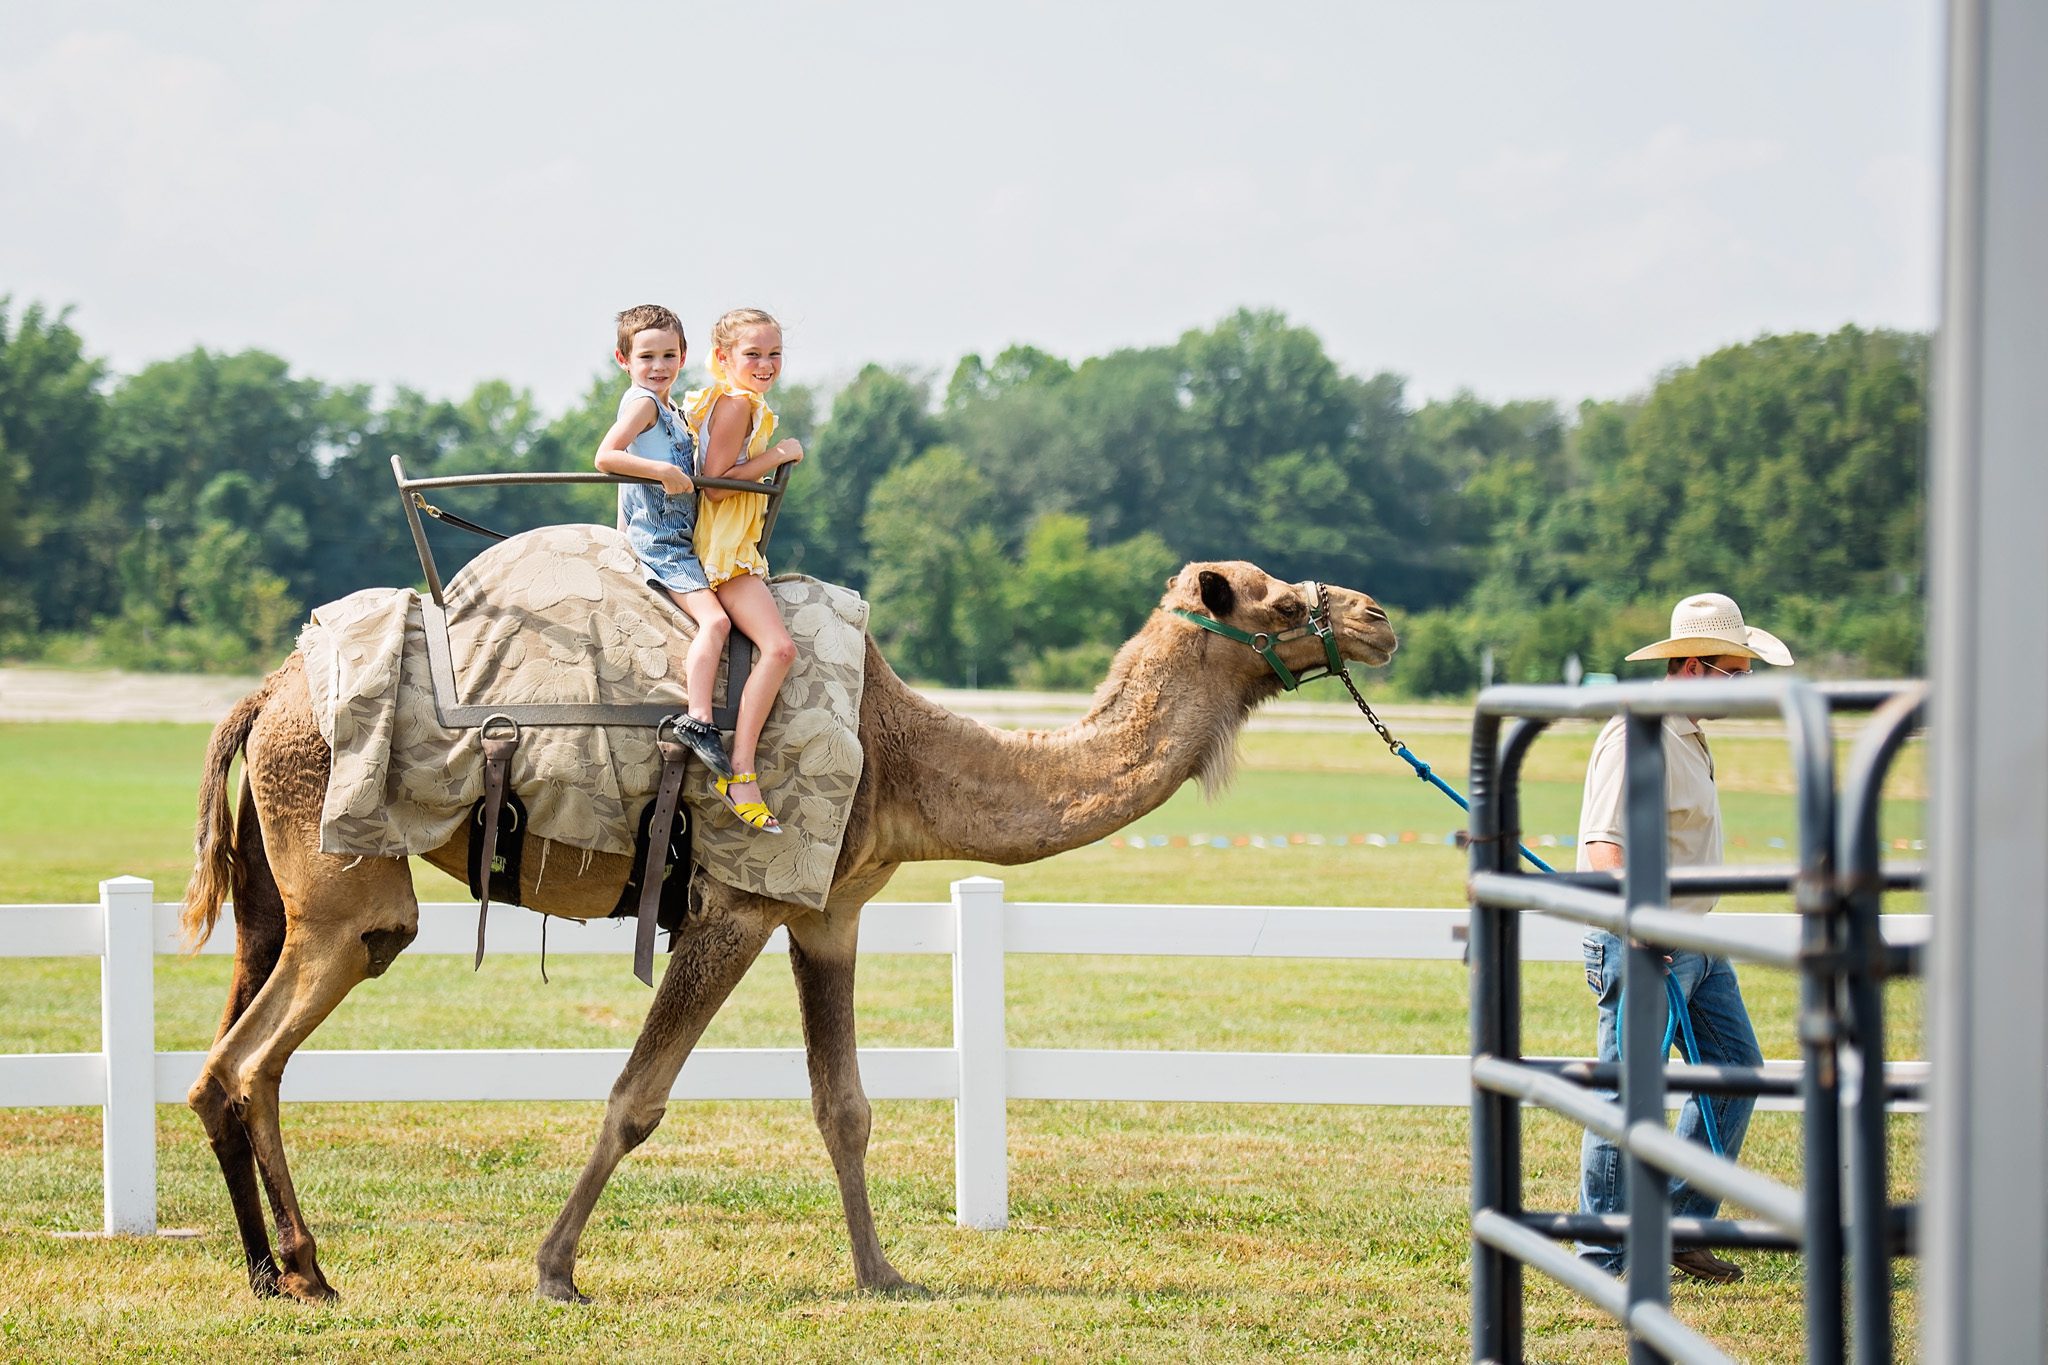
638	319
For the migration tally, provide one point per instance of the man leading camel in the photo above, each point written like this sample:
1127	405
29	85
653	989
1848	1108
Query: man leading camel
1708	641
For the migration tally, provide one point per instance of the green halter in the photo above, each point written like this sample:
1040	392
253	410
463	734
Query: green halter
1264	642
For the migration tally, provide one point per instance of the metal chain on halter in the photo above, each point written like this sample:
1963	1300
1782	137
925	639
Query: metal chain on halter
1402	751
1394	746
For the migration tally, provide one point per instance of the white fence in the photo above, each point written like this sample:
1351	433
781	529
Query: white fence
980	1073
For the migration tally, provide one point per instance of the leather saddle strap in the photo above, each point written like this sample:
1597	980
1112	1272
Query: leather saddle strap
659	827
500	739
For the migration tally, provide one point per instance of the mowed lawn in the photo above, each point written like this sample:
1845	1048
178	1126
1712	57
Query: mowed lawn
1138	1231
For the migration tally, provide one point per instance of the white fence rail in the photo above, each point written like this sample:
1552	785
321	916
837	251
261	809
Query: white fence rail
980	1073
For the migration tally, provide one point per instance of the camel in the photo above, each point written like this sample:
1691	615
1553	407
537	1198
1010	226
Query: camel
310	926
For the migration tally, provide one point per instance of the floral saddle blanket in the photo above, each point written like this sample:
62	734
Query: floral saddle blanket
563	615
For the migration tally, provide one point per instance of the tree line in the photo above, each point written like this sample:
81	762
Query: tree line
1017	522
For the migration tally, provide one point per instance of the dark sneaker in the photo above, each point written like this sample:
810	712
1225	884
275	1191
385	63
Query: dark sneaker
1702	1264
702	738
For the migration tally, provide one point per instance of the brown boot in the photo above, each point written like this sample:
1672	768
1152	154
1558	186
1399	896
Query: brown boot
1702	1264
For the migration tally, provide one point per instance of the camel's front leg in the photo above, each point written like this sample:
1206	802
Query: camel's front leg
712	955
821	952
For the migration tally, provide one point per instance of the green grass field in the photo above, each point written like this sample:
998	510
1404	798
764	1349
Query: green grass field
1139	1231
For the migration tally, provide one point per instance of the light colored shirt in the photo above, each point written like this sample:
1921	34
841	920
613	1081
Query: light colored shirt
1692	806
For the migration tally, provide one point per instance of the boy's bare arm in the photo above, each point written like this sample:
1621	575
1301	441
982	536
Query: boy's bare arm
614	458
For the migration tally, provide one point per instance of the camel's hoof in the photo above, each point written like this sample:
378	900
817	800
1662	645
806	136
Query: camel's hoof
896	1287
306	1288
561	1289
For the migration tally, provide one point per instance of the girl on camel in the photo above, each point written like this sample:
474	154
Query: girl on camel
733	426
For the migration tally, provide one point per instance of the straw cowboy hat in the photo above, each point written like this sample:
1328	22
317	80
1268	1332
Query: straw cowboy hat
1706	625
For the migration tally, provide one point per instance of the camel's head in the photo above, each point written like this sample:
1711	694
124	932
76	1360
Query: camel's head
1251	600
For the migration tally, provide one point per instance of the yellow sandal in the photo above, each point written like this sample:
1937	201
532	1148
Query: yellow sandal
753	814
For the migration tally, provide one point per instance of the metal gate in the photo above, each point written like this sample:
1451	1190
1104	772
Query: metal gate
1836	884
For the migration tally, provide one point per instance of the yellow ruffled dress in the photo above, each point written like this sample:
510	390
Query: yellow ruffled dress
729	529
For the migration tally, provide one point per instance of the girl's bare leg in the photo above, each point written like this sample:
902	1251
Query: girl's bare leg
700	663
753	609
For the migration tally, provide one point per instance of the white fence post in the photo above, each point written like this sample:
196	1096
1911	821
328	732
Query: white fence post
128	1049
981	1135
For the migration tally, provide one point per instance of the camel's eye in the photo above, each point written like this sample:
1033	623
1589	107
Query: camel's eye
1292	610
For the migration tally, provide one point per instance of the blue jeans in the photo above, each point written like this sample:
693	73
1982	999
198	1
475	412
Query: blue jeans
1721	1025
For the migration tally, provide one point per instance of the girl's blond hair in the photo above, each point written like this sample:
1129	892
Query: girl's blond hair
726	330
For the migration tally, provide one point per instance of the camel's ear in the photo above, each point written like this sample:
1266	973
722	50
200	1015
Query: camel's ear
1217	594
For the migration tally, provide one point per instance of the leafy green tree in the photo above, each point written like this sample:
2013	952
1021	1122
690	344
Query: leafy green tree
981	608
1063	593
1133	575
1054	599
1790	454
1018	367
1435	659
1118	459
357	530
1256	388
174	428
919	525
878	422
57	551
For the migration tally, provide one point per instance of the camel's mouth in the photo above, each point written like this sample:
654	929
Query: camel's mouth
1371	633
1372	653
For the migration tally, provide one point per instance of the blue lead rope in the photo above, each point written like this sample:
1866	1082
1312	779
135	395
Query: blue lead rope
1427	774
1678	1023
1677	1019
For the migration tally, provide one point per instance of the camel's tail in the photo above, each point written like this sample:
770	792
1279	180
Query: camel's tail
214	842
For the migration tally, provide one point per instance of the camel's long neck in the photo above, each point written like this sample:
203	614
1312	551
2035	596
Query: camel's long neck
1011	796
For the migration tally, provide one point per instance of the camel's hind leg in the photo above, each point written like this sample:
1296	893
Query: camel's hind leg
712	955
259	937
821	953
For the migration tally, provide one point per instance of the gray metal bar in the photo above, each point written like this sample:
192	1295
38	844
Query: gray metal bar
1760	696
1750	697
1752	879
1816	897
764	487
419	534
1751	1234
1496	1277
1683	1078
1702	934
1664	1332
1680	1078
1987	1131
1650	1326
1777	1204
1514	891
776	484
1495	1230
1522	1082
1860	851
1865	695
1643	1012
1648	1144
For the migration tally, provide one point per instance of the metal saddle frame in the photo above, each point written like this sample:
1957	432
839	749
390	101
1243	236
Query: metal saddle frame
498	725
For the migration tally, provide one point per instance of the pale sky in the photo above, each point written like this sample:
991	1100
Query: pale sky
1529	200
